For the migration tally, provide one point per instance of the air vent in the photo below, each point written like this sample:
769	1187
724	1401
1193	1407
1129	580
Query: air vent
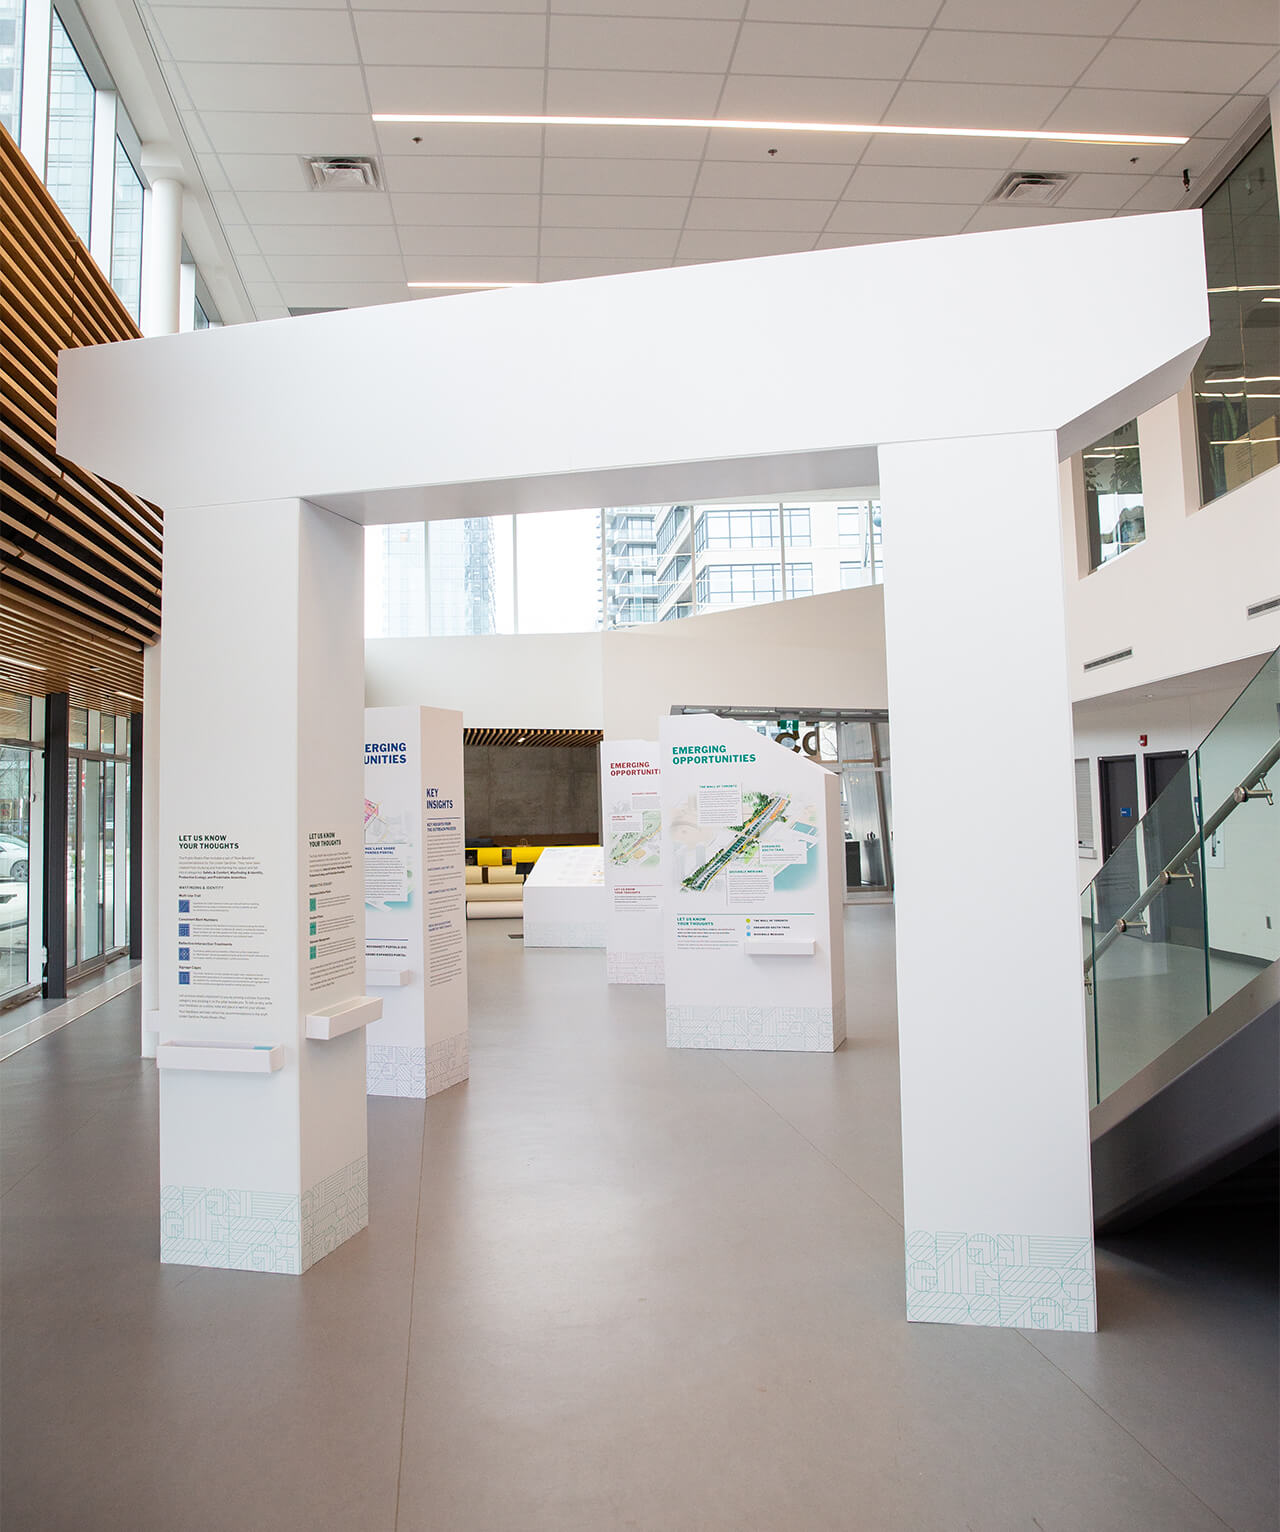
1259	608
1032	188
342	172
1109	659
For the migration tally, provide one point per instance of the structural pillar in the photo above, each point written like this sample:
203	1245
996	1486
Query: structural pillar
56	762
161	243
995	1105
262	1010
147	763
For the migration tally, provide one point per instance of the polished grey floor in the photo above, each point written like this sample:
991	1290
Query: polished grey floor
605	1286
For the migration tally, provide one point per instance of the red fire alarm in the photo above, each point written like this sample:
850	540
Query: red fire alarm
1142	739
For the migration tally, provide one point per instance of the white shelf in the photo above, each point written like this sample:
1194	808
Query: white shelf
778	946
222	1058
347	1016
386	978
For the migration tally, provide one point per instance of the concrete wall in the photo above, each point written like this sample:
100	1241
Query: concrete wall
532	793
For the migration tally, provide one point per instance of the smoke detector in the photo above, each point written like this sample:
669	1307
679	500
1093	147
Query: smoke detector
1032	188
342	172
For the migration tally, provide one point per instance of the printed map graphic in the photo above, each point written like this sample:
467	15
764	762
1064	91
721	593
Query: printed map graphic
773	837
640	845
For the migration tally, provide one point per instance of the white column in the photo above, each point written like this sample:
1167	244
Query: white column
261	905
161	243
150	766
33	130
187	298
995	1109
102	205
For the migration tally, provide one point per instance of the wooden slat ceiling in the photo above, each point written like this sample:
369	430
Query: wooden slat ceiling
79	558
585	738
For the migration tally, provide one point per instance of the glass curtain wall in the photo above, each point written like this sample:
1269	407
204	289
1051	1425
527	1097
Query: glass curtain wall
1237	378
69	163
16	752
1113	494
126	233
97	838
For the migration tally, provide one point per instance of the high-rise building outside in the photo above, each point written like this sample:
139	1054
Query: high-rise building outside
630	564
460	577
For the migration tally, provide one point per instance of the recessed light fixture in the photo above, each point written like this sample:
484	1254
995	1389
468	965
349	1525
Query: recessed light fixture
452	285
6	659
899	129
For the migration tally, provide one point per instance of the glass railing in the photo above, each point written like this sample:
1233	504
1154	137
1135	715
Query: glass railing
1186	910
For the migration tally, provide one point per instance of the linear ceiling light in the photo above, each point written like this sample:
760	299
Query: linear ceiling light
452	285
780	127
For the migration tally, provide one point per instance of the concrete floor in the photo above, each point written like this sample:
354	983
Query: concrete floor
605	1286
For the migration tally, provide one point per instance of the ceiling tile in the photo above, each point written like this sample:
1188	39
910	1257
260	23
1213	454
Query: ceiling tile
622	93
242	239
265	172
757	213
792	98
866	53
644	244
1101	191
431	239
326	239
740	244
300	5
460	173
1233	117
1097	17
792	148
464	208
716	10
633	177
1267	78
413	88
290	132
275	87
772	178
613	212
1161	194
565	268
618	42
193	127
316	207
626	143
253	268
898	218
507	7
932	104
208	34
227	206
287	269
833	240
960	153
263	293
345	295
1233	21
1133	111
471	268
1003	58
442	38
496	140
918	183
1196	156
1108	158
1025	217
906	13
212	173
1200	66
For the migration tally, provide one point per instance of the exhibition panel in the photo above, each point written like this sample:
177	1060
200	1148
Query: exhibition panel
415	914
565	903
754	891
631	822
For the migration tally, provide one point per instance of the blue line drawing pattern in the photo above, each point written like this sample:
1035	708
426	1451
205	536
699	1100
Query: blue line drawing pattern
633	968
806	1029
334	1209
396	1071
240	1230
1015	1281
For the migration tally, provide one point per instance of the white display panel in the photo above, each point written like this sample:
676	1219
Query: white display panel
753	873
631	824
565	902
415	909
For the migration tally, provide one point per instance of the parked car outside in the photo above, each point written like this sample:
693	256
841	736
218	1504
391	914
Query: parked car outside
13	858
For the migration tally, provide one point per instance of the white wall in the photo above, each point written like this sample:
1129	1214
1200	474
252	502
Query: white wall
819	651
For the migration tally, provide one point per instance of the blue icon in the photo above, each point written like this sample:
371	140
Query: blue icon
184	954
184	906
184	976
184	929
1126	813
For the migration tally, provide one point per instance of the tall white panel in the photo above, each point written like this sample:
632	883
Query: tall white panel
995	1129
631	827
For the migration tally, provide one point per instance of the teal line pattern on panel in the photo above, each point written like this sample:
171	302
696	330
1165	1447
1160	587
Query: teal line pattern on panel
808	1029
334	1209
1015	1281
233	1229
392	1070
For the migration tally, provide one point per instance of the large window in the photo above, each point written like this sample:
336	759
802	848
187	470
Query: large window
126	233
15	839
1113	494
69	163
1237	379
11	66
738	584
736	529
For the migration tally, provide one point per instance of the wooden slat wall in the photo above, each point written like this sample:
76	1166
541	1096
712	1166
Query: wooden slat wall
584	738
79	558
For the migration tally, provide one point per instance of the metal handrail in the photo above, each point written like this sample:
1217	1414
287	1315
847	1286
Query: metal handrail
1234	799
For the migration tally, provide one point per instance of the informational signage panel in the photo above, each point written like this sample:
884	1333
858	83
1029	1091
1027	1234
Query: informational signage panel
753	946
631	824
415	900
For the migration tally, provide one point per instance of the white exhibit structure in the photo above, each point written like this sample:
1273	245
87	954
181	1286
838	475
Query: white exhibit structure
752	853
909	364
415	905
631	828
564	899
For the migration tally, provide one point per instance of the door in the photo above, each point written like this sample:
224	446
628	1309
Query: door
1118	883
1177	915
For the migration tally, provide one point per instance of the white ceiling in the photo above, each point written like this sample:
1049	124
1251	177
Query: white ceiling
258	86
